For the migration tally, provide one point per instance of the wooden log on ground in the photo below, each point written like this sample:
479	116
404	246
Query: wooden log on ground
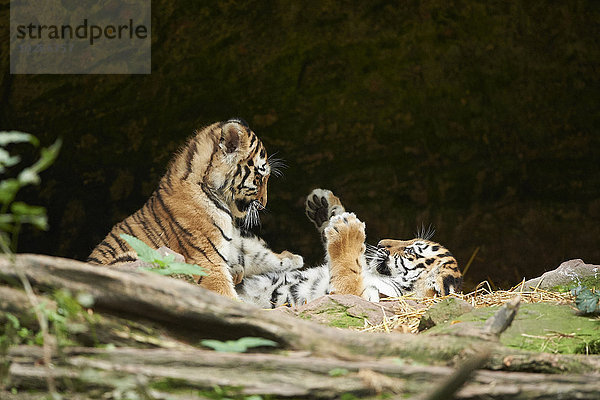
165	372
190	313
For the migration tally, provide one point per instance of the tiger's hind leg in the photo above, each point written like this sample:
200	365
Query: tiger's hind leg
320	206
345	246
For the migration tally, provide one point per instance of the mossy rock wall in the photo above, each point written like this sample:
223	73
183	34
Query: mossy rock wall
479	118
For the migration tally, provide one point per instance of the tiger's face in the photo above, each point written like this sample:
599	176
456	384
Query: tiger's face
412	261
248	184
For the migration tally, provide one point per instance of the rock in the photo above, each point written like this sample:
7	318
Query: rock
569	274
283	310
398	305
444	311
344	311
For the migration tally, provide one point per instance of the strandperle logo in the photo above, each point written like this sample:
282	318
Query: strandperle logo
80	37
83	31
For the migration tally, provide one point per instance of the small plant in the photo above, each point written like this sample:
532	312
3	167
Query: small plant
21	213
163	264
9	335
237	346
586	300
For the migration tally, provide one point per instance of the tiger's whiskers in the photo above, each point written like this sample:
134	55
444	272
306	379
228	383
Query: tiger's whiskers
276	165
252	218
374	253
425	234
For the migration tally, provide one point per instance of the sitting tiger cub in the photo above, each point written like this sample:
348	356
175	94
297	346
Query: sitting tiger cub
203	208
392	268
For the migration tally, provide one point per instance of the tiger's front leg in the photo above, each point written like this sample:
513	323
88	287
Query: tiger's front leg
287	261
218	279
212	260
254	257
345	246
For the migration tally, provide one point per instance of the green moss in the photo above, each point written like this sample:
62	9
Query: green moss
588	282
541	327
337	316
341	319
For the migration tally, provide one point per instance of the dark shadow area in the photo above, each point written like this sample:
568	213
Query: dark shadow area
480	118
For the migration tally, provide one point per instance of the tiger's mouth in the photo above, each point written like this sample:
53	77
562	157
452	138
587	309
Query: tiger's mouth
257	204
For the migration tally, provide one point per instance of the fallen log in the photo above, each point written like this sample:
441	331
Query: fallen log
166	371
190	313
167	318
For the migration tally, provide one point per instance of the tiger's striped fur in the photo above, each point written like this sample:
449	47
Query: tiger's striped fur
203	208
392	268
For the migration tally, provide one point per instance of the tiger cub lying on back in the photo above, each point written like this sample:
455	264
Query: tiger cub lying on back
203	208
392	268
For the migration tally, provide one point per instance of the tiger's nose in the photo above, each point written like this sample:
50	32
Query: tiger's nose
262	196
263	201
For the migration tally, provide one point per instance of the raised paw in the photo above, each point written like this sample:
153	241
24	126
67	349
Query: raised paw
321	205
345	236
290	260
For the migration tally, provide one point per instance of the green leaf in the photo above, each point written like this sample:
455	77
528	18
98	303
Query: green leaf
8	190
24	333
7	137
223	347
587	301
13	320
166	264
47	156
183	268
169	258
144	252
28	177
237	346
6	219
160	271
256	342
6	160
20	208
39	221
338	372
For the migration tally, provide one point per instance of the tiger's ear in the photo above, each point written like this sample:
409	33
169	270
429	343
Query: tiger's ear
230	137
